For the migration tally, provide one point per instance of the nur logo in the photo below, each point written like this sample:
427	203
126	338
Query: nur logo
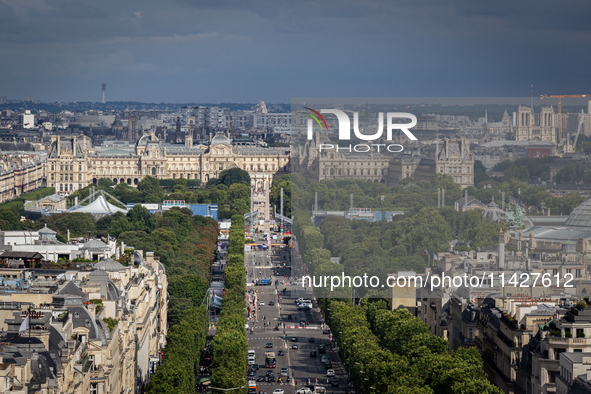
345	129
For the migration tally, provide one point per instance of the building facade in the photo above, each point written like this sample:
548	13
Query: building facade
74	164
531	127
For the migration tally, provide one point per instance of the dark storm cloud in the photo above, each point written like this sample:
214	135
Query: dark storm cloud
230	50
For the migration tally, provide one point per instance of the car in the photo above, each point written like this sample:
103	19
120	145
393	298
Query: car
270	378
251	361
323	359
252	374
334	382
313	353
328	365
294	346
269	372
294	339
278	391
299	300
312	340
284	371
255	366
326	332
269	345
322	349
271	303
251	353
280	353
262	303
330	372
304	390
261	378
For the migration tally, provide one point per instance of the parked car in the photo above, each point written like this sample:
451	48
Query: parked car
278	391
262	303
294	346
294	339
330	372
334	382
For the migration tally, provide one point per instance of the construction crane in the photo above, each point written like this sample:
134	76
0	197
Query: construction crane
231	127
581	121
560	97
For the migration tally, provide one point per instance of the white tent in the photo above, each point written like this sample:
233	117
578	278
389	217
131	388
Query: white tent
100	206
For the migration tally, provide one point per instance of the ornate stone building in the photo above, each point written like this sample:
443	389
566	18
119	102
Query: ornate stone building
73	163
338	164
529	127
453	157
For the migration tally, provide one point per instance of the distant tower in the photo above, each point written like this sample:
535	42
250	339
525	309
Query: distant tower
132	129
104	86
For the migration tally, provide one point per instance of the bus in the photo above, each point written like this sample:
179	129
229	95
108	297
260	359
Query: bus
252	387
270	360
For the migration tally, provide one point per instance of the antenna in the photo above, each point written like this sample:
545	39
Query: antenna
532	98
104	87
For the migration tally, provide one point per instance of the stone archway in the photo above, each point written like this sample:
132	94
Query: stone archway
129	181
135	181
115	180
121	180
94	180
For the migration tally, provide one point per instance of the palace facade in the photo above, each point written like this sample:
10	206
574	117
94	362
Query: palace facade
73	163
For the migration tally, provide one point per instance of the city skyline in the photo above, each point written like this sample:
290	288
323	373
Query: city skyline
189	51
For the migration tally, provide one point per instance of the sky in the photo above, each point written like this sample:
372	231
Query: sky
210	51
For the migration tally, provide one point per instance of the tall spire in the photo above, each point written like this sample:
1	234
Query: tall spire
532	98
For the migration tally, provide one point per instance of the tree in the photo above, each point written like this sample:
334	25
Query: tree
106	182
234	175
517	172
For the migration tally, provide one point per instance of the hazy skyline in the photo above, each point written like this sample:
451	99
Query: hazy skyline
236	51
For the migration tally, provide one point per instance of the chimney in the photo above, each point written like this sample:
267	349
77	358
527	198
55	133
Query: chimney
58	146
74	143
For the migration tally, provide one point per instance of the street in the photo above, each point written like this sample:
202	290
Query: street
300	365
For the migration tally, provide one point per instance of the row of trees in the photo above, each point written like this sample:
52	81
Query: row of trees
229	344
394	352
185	342
334	195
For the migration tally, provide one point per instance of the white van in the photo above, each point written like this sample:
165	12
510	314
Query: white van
251	353
319	390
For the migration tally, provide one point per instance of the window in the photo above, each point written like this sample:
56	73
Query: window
52	180
71	177
61	187
467	179
52	167
80	167
441	170
61	167
554	271
61	177
578	272
569	271
79	177
460	170
222	167
94	388
449	170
